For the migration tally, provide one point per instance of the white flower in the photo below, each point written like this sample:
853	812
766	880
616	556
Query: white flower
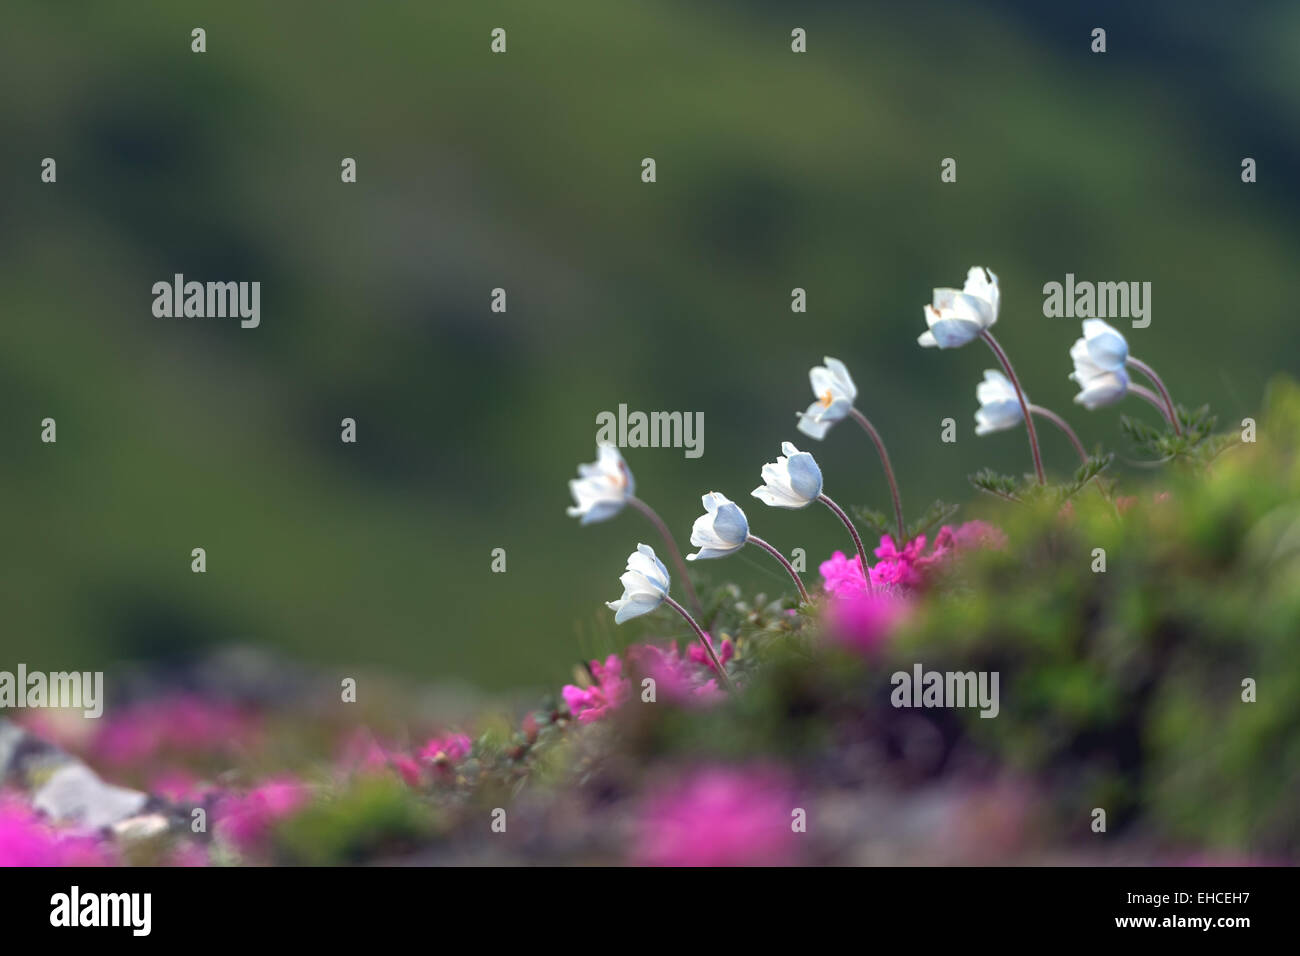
792	481
723	529
835	392
1106	347
999	405
1097	386
602	488
645	585
956	318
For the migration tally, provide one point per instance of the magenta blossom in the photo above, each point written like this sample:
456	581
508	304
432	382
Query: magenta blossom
447	750
843	575
27	840
681	680
719	816
865	620
609	691
907	568
246	820
699	656
184	724
179	786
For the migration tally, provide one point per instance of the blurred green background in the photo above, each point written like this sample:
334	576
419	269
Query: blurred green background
522	171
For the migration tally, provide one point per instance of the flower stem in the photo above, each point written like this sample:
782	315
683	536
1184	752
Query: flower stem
704	639
889	474
667	535
803	593
1064	426
1142	392
857	542
1150	373
992	343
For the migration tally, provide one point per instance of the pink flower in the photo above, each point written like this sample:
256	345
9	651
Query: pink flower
27	840
178	786
182	724
682	680
447	750
718	816
843	575
864	621
246	820
697	653
610	690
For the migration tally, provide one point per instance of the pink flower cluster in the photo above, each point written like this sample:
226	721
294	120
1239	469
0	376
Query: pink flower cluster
681	679
28	840
609	690
246	819
865	608
184	724
907	568
363	754
719	816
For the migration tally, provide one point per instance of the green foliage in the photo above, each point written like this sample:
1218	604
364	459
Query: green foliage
875	524
376	816
1128	683
1198	445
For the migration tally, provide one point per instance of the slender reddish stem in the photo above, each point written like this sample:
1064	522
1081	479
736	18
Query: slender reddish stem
1145	393
889	474
803	593
667	535
992	343
704	639
1150	373
857	541
1064	426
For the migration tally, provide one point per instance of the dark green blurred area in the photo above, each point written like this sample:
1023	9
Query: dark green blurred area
522	171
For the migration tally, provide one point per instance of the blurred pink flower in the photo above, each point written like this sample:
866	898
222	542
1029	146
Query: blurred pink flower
697	653
610	690
864	621
719	816
679	679
27	840
185	724
180	786
448	749
245	820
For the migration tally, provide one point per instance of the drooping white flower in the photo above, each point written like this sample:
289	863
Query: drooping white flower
1098	386
955	318
833	386
602	488
645	585
723	529
792	481
999	405
1107	348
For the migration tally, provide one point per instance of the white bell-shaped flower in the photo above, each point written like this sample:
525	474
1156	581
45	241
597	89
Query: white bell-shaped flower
792	481
602	488
645	585
955	318
833	386
999	405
